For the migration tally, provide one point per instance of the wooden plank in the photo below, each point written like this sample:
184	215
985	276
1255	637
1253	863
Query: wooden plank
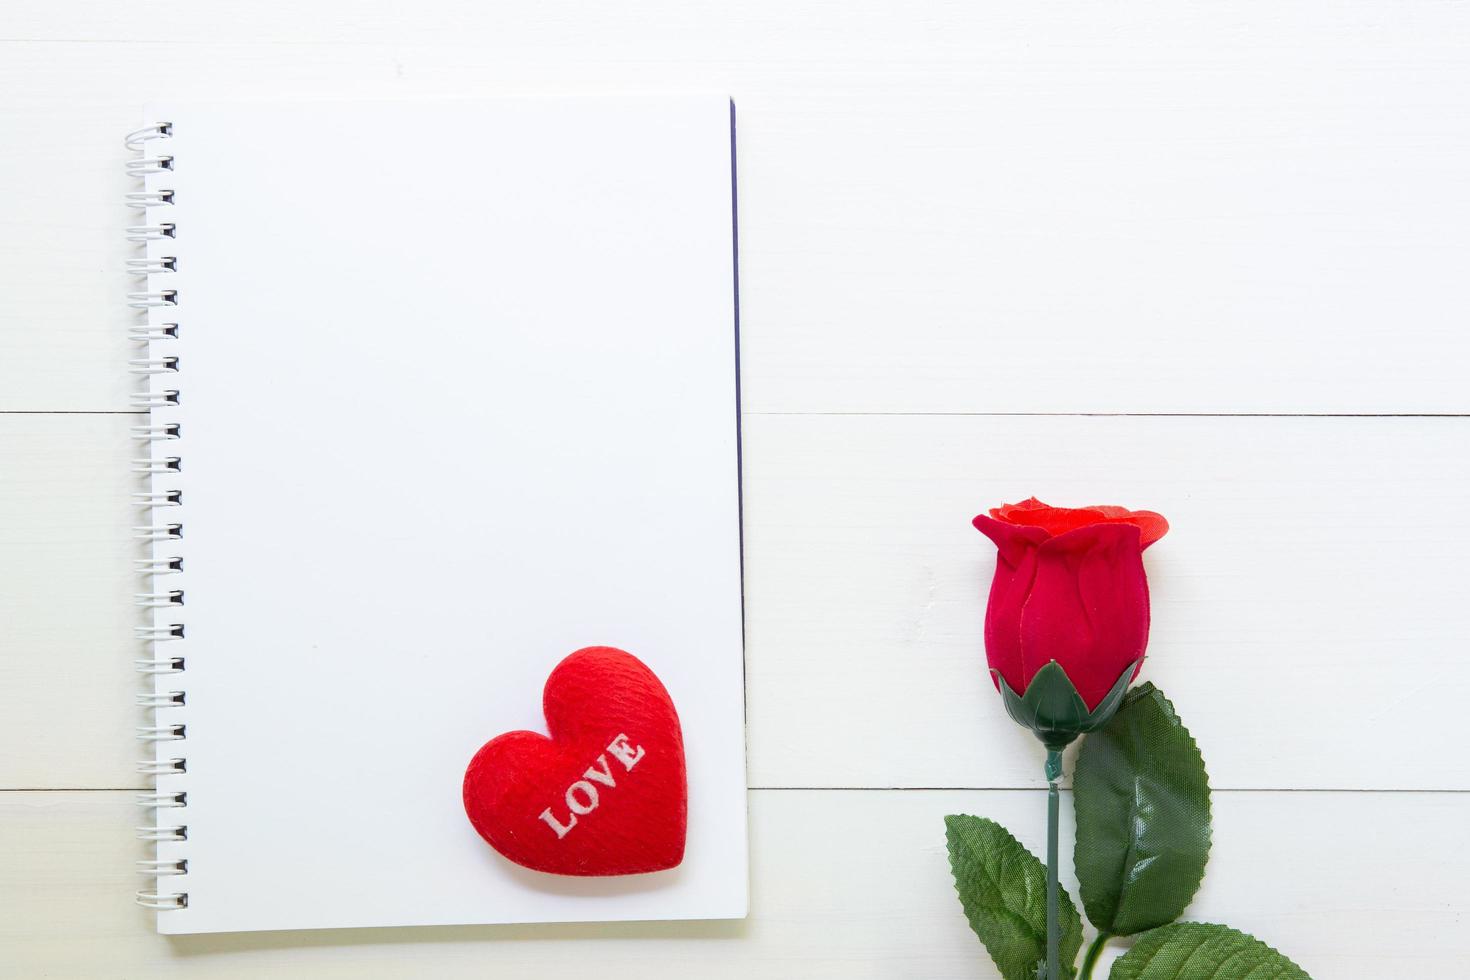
844	885
66	602
63	322
1309	613
959	208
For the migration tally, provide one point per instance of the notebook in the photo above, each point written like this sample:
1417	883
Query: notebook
437	393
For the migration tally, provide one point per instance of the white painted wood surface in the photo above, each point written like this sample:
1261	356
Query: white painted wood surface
1248	207
1308	603
947	209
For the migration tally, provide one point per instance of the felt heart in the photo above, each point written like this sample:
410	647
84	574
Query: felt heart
606	794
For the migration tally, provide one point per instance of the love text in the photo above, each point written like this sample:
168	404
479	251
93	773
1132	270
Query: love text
582	796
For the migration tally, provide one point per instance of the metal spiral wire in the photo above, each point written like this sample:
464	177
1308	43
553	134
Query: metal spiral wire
156	366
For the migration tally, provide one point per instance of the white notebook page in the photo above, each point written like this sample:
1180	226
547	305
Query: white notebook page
458	398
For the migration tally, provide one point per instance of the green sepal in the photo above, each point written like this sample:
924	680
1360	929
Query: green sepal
1052	708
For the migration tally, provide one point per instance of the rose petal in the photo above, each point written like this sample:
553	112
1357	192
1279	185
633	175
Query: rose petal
1011	539
1088	607
1059	520
1153	526
1030	503
1015	567
1055	520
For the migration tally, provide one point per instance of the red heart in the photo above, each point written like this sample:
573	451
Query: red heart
604	795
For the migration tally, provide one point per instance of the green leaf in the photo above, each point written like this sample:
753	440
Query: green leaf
1143	817
1203	951
1003	889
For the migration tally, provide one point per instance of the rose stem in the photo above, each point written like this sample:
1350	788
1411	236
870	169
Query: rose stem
1093	953
1053	923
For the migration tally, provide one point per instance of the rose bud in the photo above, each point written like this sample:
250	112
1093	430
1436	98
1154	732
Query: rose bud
1067	620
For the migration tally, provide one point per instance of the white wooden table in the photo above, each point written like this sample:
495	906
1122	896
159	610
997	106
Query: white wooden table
1207	259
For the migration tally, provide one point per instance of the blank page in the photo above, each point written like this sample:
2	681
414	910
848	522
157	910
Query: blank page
458	397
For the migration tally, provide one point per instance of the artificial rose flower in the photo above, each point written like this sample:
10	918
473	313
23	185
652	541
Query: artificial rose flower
1069	587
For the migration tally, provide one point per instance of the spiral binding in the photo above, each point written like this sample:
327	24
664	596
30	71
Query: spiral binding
156	366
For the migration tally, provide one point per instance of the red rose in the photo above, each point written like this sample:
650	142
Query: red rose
1069	587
